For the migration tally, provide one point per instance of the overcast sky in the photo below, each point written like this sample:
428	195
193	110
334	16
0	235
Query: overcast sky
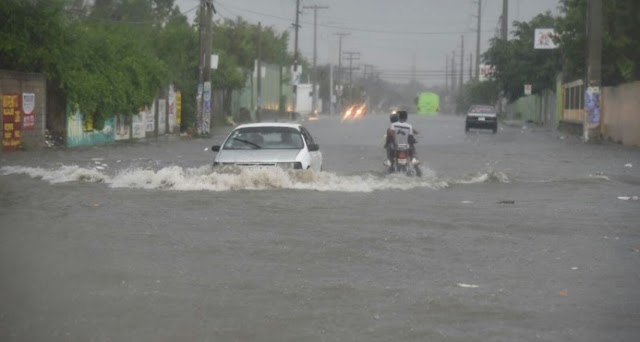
391	35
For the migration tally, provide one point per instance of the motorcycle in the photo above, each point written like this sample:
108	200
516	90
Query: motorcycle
403	164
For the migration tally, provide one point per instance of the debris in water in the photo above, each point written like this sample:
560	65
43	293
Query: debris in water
469	286
624	198
206	149
467	202
628	165
564	293
507	202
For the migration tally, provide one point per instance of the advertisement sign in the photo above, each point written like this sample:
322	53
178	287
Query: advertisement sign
150	119
486	72
527	89
11	122
28	109
592	105
206	110
162	116
138	125
172	109
543	39
178	108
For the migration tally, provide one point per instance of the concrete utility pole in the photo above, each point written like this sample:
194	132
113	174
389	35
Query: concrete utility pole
340	36
446	74
504	21
462	64
454	88
340	71
205	29
259	73
352	56
470	66
478	39
314	103
294	97
592	106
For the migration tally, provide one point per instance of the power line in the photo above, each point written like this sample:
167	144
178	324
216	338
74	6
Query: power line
347	28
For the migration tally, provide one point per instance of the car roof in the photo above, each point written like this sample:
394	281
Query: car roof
270	124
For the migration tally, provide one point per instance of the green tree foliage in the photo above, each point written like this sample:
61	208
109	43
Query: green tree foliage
34	35
475	92
517	63
113	56
620	43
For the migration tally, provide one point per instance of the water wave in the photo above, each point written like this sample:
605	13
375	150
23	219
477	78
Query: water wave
205	179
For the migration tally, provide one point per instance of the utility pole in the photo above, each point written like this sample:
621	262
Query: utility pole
294	96
504	32
259	73
478	39
470	66
340	76
203	105
592	105
352	56
446	74
454	88
462	64
340	36
314	103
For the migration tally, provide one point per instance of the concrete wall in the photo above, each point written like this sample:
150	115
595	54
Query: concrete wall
621	114
539	108
31	134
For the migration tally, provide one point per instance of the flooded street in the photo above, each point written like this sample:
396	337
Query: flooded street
525	235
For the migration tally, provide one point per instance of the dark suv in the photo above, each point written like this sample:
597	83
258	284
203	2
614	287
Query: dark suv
481	116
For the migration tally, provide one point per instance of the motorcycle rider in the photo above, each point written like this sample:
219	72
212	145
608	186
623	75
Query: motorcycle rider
404	134
390	144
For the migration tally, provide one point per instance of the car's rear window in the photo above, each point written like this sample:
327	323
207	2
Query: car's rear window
274	138
482	109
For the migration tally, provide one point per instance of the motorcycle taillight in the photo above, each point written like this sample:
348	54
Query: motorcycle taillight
402	155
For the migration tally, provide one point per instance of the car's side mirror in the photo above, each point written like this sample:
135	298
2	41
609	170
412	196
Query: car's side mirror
215	148
314	147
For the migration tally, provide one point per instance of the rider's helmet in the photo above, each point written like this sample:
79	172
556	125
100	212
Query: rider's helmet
394	117
402	115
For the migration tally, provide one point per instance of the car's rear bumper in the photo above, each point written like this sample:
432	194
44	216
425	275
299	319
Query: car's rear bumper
477	122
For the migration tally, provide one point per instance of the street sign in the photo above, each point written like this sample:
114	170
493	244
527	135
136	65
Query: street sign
527	89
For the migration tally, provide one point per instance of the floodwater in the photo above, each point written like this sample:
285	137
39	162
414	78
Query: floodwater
523	235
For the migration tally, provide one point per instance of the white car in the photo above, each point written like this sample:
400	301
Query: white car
286	145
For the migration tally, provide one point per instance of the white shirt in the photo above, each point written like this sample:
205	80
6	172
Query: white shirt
402	131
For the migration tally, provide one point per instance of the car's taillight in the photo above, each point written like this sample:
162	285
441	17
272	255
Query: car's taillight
402	155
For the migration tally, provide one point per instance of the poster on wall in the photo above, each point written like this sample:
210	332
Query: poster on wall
178	109
162	116
11	122
150	119
137	125
122	127
172	110
28	110
206	111
592	105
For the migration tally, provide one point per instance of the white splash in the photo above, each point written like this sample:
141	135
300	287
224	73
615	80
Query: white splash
486	177
203	178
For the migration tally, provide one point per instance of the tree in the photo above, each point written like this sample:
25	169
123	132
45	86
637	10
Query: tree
517	63
620	43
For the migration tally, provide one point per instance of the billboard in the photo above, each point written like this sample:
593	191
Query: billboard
543	39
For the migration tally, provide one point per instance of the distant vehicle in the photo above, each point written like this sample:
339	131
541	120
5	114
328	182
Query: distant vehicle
428	103
285	145
483	117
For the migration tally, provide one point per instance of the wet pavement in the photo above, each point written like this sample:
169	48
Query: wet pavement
525	235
